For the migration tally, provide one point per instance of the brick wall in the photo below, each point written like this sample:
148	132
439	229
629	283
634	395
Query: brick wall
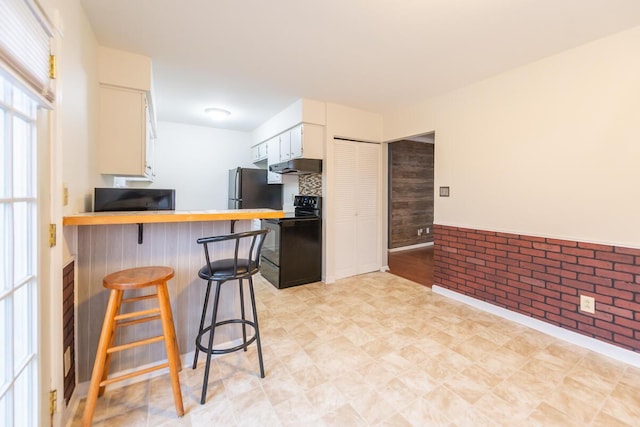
543	278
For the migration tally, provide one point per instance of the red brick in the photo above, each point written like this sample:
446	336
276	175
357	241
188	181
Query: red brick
562	273
533	296
497	292
561	288
519	285
605	317
532	266
486	257
562	304
634	306
595	246
547	262
562	257
546	307
533	282
617	275
578	268
588	287
627	251
584	253
486	232
564	243
486	245
614	257
475	261
571	324
596	280
533	238
520	243
615	293
508	289
485	296
507	261
617	329
595	331
486	270
496	279
548	292
475	273
475	236
626	342
497	266
496	252
635	269
579	317
546	247
449	249
626	286
507	248
617	311
546	277
507	274
496	239
520	271
595	263
532	252
507	303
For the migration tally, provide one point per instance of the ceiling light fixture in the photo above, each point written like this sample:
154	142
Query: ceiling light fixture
217	113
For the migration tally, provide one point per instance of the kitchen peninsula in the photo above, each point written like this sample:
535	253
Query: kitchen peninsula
107	242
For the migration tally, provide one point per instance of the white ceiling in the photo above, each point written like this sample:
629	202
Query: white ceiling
255	57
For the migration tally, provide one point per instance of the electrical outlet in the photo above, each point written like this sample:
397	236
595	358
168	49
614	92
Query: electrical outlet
419	231
587	304
426	230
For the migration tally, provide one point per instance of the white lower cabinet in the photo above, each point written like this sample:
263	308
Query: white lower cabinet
357	221
125	141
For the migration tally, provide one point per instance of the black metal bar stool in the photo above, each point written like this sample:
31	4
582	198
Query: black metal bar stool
243	265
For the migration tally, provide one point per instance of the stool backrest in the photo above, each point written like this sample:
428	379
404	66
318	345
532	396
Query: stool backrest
255	240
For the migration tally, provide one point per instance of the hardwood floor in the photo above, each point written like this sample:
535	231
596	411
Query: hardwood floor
414	264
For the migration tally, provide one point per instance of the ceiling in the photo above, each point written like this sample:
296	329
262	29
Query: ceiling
255	57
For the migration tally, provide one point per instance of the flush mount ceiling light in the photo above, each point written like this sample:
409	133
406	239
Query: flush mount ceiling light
217	113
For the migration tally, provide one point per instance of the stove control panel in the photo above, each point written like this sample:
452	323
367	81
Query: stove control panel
312	202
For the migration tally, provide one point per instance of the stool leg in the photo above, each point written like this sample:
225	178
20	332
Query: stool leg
107	362
255	320
244	327
204	314
170	343
106	337
210	347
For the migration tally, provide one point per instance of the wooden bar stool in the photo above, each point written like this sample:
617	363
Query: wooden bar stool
118	282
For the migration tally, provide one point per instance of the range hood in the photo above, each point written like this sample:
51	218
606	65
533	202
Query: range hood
298	167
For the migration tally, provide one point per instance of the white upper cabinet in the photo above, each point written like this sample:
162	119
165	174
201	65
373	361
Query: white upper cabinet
126	118
273	157
304	140
125	142
259	152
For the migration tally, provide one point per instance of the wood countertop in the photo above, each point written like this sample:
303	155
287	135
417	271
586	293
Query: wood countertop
148	217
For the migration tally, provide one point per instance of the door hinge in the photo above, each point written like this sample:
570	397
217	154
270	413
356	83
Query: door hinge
53	401
52	67
52	235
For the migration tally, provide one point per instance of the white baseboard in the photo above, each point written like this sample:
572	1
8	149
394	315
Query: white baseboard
606	349
407	248
384	268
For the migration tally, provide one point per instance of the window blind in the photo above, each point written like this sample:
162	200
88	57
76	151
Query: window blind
25	44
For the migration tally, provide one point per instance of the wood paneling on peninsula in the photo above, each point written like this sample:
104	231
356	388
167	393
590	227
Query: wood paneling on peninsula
411	193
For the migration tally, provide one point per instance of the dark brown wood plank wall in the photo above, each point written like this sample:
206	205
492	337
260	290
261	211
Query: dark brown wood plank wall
68	329
411	193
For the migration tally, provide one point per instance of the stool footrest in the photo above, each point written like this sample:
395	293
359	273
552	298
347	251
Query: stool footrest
135	344
136	321
133	374
246	344
140	298
137	313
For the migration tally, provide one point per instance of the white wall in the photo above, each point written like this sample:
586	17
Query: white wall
548	149
195	160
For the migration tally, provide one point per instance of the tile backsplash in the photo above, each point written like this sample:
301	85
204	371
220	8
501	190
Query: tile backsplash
310	184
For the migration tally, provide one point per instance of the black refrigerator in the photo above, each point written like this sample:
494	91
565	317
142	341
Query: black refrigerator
248	189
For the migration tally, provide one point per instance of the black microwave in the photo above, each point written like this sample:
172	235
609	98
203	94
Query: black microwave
133	199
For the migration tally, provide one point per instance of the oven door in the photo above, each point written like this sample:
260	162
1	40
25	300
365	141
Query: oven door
271	246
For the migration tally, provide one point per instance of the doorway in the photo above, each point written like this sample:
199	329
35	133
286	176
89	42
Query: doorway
411	207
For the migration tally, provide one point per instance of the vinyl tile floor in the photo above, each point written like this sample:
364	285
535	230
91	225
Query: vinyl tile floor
379	350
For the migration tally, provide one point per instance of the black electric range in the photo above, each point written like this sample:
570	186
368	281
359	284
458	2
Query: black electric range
292	251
